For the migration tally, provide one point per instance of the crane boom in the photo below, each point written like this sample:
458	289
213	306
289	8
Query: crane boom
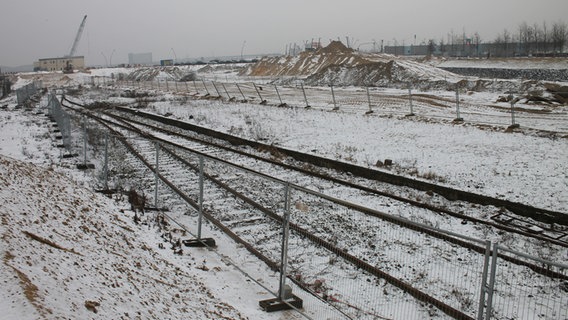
77	37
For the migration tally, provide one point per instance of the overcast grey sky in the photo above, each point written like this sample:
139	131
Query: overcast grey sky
34	29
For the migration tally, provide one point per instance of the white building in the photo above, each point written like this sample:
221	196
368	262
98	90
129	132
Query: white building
140	58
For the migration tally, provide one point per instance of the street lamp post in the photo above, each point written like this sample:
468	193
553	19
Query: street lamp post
106	61
175	56
110	59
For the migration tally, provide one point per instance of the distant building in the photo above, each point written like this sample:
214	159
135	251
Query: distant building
59	64
167	62
140	58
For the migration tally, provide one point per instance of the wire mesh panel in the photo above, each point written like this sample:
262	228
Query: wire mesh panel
24	93
373	266
528	287
62	119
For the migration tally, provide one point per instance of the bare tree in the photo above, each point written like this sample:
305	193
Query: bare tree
559	36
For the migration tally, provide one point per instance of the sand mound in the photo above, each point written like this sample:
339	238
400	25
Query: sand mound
336	64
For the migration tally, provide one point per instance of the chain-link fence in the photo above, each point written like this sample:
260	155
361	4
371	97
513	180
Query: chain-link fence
347	261
24	93
62	118
353	262
453	107
5	86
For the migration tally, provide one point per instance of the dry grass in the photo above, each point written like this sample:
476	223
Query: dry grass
48	242
30	289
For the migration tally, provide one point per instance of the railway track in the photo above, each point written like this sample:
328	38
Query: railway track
533	222
256	199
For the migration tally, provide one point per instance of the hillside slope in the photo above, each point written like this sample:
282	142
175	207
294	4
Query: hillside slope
70	253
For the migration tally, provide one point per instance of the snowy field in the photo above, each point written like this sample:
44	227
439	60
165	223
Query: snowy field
520	166
68	252
478	156
512	166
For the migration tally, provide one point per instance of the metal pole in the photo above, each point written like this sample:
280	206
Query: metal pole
241	91
285	234
335	107
195	85
106	161
214	86
156	174
491	283
368	98
458	102
513	124
305	98
258	92
176	85
410	101
84	141
483	290
227	92
206	90
278	94
200	217
458	116
167	87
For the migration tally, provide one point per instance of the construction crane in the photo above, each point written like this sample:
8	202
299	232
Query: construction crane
77	37
69	66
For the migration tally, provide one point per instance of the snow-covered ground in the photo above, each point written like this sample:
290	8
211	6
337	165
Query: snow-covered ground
65	247
514	166
70	253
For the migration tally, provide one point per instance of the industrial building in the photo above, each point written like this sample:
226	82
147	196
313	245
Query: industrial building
59	64
135	59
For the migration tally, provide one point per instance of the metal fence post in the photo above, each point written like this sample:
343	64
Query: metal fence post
226	92
282	104
285	299
206	90
304	92
335	107
458	117
106	161
491	287
513	123
484	285
262	101
241	91
284	252
368	97
200	241
410	102
156	174
84	141
200	218
217	90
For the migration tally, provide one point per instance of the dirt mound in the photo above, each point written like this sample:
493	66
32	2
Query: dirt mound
335	47
336	64
152	73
